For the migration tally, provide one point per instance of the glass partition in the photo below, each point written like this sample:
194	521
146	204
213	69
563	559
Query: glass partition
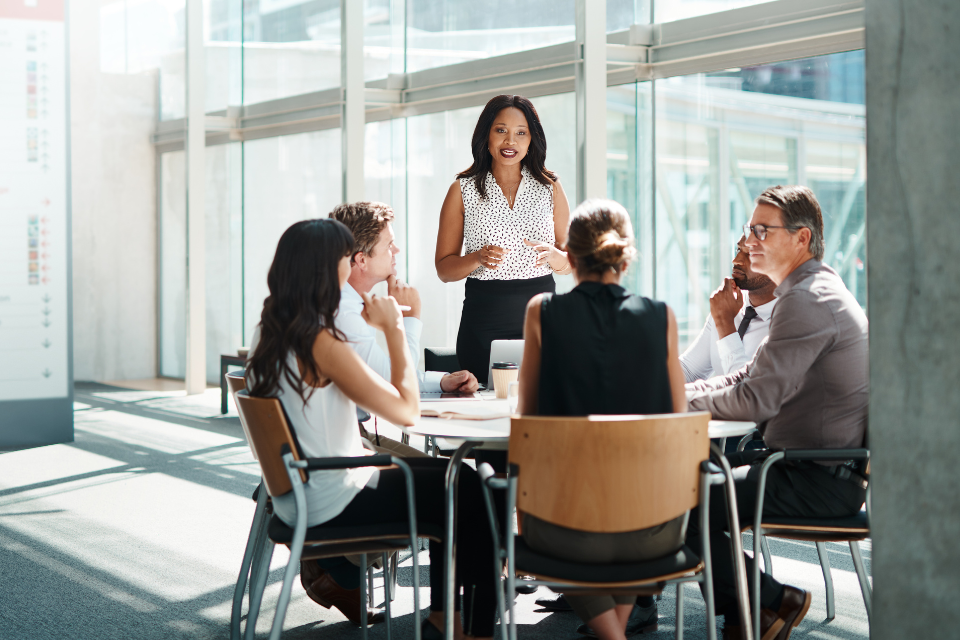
440	32
285	179
722	138
290	47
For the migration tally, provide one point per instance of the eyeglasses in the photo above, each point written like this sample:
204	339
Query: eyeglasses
760	230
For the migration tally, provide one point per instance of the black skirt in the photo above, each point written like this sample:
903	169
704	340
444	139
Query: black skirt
494	310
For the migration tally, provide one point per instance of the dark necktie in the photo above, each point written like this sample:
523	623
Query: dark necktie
748	314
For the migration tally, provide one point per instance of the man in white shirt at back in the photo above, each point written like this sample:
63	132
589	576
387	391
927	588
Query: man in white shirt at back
374	261
728	339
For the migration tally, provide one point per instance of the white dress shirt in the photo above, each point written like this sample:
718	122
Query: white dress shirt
709	356
363	338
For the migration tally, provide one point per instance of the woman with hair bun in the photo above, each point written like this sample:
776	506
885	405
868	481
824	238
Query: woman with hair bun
602	350
500	228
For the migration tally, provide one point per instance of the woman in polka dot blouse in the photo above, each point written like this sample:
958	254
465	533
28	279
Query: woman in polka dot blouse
501	227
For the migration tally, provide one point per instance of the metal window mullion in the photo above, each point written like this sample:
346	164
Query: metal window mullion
196	349
352	85
590	86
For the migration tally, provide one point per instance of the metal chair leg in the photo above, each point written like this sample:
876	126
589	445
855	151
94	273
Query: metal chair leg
865	587
370	596
258	583
827	578
679	632
394	569
767	558
289	574
386	588
363	595
250	556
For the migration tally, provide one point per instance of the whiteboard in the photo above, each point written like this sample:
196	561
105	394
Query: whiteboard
35	289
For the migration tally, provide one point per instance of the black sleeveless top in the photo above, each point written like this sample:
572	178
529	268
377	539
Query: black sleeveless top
604	351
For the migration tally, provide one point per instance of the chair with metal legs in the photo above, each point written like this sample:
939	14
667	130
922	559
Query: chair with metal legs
851	529
654	469
285	470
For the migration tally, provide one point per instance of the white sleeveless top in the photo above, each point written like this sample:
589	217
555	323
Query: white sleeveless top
492	221
326	426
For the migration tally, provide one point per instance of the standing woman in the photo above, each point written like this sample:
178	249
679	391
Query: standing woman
501	227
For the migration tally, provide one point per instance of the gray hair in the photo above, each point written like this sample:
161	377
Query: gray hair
799	208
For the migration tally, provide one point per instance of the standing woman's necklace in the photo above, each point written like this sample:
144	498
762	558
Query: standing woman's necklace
511	193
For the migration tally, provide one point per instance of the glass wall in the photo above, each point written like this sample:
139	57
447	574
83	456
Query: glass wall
686	155
285	179
722	138
441	32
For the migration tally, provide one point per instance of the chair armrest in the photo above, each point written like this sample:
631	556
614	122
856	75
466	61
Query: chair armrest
350	462
827	455
489	477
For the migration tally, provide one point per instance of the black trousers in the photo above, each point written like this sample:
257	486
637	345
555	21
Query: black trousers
790	491
494	310
474	568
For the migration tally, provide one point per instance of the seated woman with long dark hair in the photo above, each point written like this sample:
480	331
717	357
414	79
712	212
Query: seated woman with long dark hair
298	356
602	350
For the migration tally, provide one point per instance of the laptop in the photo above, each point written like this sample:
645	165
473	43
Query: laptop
504	351
433	396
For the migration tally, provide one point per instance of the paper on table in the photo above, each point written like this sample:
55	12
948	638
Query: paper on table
465	411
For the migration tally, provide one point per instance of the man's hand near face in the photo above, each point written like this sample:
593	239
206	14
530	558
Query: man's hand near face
404	294
460	382
725	304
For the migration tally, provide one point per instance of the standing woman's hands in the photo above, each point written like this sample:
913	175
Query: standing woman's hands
490	255
549	255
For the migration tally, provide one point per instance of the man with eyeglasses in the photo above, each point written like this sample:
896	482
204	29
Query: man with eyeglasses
807	388
739	319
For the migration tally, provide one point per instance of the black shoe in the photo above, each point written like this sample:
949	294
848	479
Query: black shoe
520	586
641	620
554	604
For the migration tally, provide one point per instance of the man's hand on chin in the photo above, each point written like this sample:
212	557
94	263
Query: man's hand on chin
460	382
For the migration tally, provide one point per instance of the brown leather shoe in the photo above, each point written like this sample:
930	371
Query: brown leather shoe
770	626
793	608
327	593
310	571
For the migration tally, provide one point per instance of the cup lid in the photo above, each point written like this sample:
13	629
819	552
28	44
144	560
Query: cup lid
505	365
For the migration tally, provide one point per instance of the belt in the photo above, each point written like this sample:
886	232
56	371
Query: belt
848	471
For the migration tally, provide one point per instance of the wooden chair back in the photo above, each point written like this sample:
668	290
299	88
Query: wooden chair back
267	431
237	383
609	474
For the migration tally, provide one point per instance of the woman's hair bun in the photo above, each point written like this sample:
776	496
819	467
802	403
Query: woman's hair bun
611	248
601	236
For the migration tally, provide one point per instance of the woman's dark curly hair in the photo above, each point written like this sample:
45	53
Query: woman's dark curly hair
304	295
536	154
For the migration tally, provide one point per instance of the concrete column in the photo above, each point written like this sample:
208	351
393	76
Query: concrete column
913	242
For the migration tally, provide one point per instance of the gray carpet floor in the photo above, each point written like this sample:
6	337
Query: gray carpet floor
137	529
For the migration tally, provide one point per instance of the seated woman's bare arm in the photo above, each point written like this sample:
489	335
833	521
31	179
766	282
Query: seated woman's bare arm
396	403
674	370
530	371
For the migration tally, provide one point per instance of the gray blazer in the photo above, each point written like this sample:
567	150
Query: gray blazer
809	380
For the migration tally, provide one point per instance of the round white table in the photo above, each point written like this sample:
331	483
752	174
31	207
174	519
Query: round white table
495	434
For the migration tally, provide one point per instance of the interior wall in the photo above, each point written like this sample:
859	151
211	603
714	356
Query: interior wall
913	89
113	178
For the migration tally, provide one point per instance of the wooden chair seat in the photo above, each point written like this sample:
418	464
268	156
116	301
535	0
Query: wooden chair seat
854	527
